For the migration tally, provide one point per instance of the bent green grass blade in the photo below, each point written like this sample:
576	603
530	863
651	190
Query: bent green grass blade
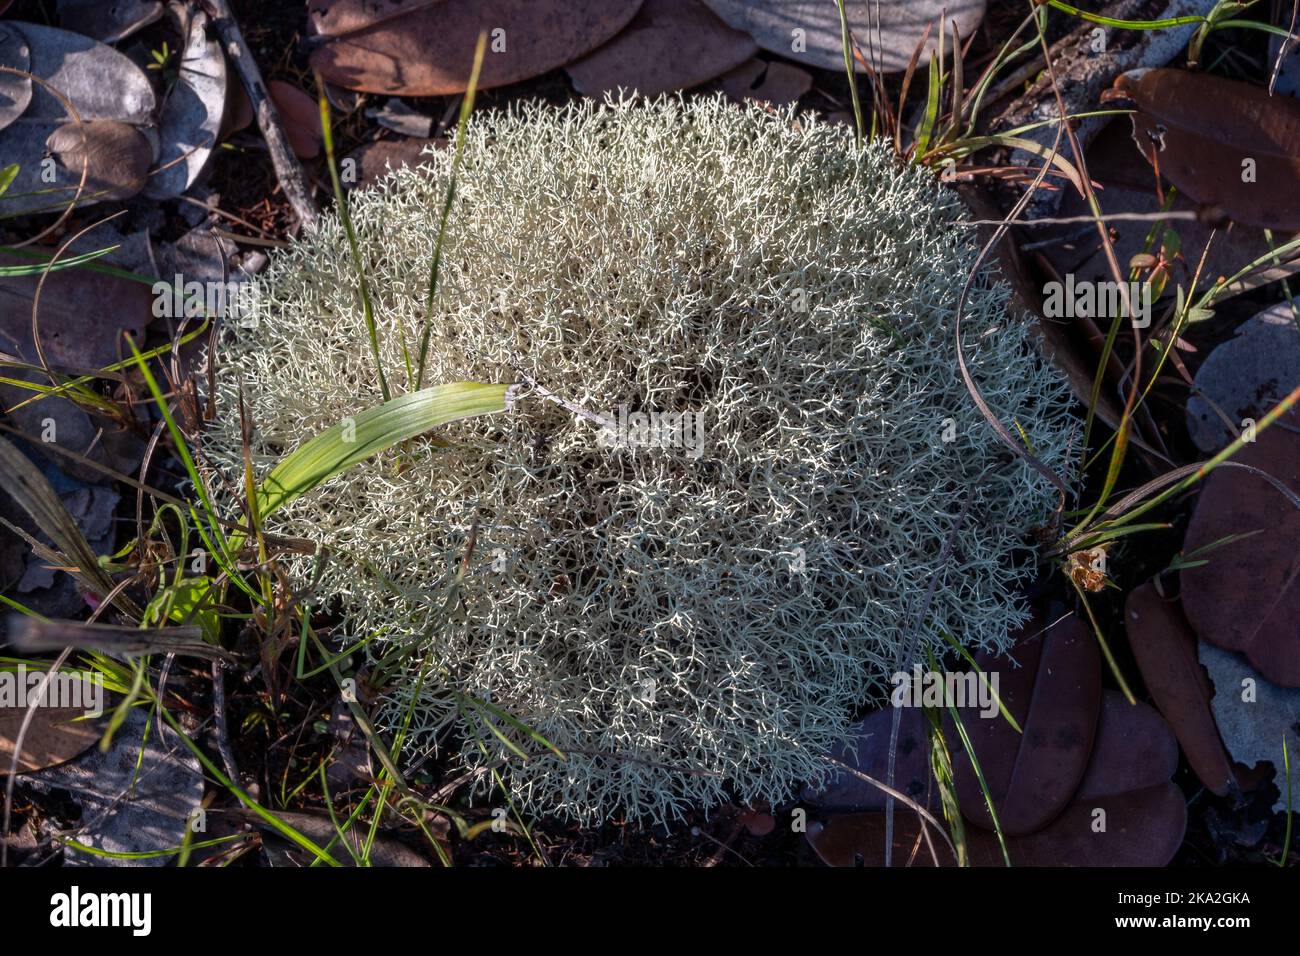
341	446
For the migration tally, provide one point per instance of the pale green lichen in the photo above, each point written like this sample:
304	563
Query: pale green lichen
643	609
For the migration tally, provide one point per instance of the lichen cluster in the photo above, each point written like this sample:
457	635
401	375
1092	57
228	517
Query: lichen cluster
688	628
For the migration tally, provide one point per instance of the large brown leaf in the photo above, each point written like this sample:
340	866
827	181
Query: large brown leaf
55	736
82	316
1203	131
1165	649
1125	812
669	45
115	156
424	48
1246	597
1054	694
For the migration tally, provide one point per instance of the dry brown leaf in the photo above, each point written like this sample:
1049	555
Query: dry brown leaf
1226	144
427	48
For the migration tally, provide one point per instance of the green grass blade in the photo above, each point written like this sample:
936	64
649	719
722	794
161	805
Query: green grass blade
38	268
367	306
373	431
466	107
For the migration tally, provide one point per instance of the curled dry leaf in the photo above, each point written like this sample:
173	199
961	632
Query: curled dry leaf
139	796
116	157
300	114
1125	811
1228	145
427	48
669	45
1246	595
886	31
1165	649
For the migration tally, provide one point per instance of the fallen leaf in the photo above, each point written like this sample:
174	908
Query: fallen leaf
1126	812
55	735
300	114
1228	145
868	753
15	91
239	111
320	829
108	22
101	84
669	45
1245	376
82	316
765	81
758	822
886	31
427	48
191	114
1255	716
1051	685
131	802
116	157
1246	596
1165	650
1128	187
375	160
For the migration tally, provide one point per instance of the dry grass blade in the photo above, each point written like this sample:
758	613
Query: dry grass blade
33	493
32	637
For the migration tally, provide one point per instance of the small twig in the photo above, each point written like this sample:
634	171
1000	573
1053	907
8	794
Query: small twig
219	716
292	177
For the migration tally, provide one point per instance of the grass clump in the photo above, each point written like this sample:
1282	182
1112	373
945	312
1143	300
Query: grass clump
686	625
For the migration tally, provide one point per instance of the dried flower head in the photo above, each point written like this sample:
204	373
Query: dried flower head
705	530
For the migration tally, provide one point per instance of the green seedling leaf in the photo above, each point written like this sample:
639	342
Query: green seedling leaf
7	176
37	268
188	601
337	449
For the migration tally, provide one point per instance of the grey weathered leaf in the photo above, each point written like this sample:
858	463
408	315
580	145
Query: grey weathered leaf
15	91
191	116
1254	716
108	22
808	31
